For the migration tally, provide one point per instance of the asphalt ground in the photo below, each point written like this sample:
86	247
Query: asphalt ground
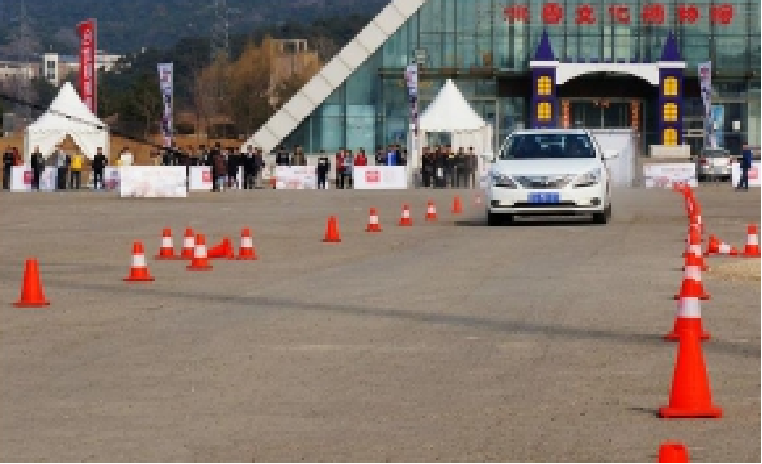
447	341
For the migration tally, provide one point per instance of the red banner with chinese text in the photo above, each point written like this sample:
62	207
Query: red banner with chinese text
87	85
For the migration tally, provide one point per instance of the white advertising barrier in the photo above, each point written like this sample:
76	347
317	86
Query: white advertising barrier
295	177
664	175
153	182
754	172
21	179
111	178
48	179
200	178
379	177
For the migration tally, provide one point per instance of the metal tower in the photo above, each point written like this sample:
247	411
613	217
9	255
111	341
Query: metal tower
219	50
24	45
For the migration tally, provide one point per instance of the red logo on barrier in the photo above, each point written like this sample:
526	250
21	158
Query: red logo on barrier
206	176
687	14
620	14
27	177
653	14
552	13
372	177
585	14
516	13
754	173
722	14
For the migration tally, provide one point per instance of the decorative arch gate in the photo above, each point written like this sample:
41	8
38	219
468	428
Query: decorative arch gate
548	110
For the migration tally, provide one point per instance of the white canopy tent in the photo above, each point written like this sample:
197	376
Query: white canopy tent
67	115
451	113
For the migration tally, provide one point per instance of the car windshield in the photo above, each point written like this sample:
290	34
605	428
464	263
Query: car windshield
715	154
548	146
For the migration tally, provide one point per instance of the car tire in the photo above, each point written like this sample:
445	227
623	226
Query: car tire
493	219
602	218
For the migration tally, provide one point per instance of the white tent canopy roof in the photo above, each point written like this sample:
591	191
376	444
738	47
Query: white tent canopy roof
450	112
67	115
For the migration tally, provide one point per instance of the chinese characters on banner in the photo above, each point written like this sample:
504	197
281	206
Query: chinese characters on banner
87	88
552	13
705	82
165	83
411	76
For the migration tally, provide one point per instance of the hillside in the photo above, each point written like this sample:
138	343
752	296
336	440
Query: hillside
128	25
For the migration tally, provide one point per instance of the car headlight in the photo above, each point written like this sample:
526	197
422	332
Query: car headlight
589	179
501	180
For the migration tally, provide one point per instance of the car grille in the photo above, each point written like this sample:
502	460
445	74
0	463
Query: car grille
542	182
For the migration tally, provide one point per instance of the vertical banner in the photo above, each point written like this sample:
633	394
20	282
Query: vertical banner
165	82
705	82
87	84
411	77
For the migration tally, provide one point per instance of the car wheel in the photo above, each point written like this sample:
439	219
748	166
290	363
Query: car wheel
493	219
602	218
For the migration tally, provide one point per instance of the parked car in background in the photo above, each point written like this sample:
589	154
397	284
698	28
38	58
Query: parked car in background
714	164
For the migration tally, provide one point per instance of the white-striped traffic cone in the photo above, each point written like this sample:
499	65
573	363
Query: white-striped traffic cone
139	268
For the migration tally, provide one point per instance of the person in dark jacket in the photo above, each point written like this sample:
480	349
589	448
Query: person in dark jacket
248	161
7	164
38	165
233	162
217	163
745	165
99	164
323	168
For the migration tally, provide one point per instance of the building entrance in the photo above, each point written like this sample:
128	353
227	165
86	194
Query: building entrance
603	113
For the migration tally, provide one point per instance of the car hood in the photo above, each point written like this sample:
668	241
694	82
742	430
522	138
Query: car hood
545	167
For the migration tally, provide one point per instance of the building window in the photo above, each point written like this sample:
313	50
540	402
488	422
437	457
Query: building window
670	112
670	86
543	86
51	64
670	137
544	111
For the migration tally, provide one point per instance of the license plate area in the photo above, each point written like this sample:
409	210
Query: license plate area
544	198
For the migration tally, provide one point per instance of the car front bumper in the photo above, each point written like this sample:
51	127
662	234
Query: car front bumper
572	201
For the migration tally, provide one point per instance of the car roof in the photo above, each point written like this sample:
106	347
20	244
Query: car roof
551	131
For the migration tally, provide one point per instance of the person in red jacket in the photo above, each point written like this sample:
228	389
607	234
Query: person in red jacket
361	160
340	169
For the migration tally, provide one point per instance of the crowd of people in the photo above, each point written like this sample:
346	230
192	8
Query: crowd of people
441	166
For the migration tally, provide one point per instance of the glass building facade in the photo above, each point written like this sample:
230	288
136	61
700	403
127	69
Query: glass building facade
485	46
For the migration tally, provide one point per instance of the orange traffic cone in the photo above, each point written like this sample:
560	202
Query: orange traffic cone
695	217
222	251
189	244
200	261
688	318
406	220
694	249
672	451
167	250
431	211
32	294
751	250
373	225
691	396
247	251
139	268
691	285
716	247
457	207
332	231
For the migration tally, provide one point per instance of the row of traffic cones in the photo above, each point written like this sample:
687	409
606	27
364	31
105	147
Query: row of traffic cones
332	234
690	396
750	250
194	248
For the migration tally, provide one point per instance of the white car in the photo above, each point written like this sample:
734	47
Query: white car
549	172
